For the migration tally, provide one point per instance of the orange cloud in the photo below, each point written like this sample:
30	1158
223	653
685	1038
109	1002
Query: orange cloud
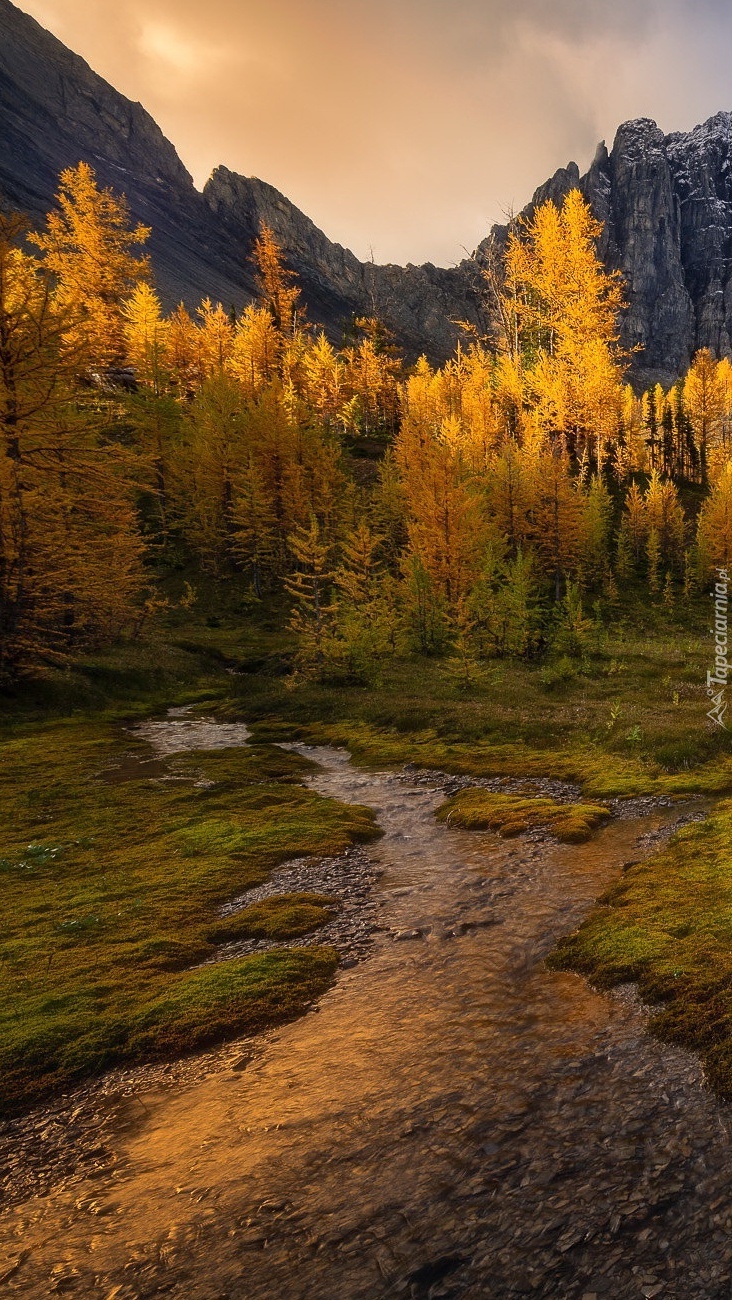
405	127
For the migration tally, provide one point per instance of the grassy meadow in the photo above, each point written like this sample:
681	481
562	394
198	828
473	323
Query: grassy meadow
111	889
667	926
112	883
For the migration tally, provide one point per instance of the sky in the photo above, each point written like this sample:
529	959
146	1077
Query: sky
404	128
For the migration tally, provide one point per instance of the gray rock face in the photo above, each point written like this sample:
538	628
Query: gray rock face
666	201
56	111
643	235
420	303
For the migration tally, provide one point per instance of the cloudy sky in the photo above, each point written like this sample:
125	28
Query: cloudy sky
404	128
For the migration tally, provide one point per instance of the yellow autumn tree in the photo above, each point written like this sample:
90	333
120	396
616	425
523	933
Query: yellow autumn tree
511	493
366	618
724	372
185	352
89	248
324	383
206	471
653	405
371	373
287	473
310	588
714	527
146	335
215	338
664	515
563	307
254	350
278	292
70	552
152	407
446	525
557	518
704	404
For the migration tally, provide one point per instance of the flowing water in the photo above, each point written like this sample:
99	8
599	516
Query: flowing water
454	1120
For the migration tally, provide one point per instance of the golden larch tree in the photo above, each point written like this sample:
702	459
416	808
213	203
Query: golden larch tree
278	291
70	551
564	307
704	404
714	527
89	247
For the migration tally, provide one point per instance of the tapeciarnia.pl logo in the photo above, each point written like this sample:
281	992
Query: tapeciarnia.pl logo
717	680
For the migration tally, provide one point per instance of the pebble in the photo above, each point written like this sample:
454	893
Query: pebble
348	878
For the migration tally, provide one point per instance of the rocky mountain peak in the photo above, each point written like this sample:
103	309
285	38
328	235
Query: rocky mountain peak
665	202
640	133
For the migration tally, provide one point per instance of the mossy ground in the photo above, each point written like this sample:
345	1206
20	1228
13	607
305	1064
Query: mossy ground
629	719
110	893
667	925
509	815
283	916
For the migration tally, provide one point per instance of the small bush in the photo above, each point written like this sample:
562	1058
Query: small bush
558	673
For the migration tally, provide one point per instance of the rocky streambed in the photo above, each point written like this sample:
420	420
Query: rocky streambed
454	1121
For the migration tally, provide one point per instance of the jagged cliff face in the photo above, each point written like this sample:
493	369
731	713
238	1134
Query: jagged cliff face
665	200
666	203
55	111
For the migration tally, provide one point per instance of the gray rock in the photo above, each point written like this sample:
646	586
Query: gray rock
666	201
56	111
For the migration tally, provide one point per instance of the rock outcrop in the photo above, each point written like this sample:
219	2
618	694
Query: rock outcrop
55	111
421	304
666	204
665	200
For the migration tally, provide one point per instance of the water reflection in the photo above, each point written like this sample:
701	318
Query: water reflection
454	1120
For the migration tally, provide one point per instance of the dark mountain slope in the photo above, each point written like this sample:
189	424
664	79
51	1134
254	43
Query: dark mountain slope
666	201
55	111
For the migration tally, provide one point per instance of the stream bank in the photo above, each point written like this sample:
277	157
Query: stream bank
454	1121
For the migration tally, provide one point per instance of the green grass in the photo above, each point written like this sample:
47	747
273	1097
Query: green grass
110	893
233	997
667	925
510	815
587	762
629	719
283	916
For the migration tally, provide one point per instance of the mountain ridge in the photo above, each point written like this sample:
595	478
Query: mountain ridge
57	111
665	202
